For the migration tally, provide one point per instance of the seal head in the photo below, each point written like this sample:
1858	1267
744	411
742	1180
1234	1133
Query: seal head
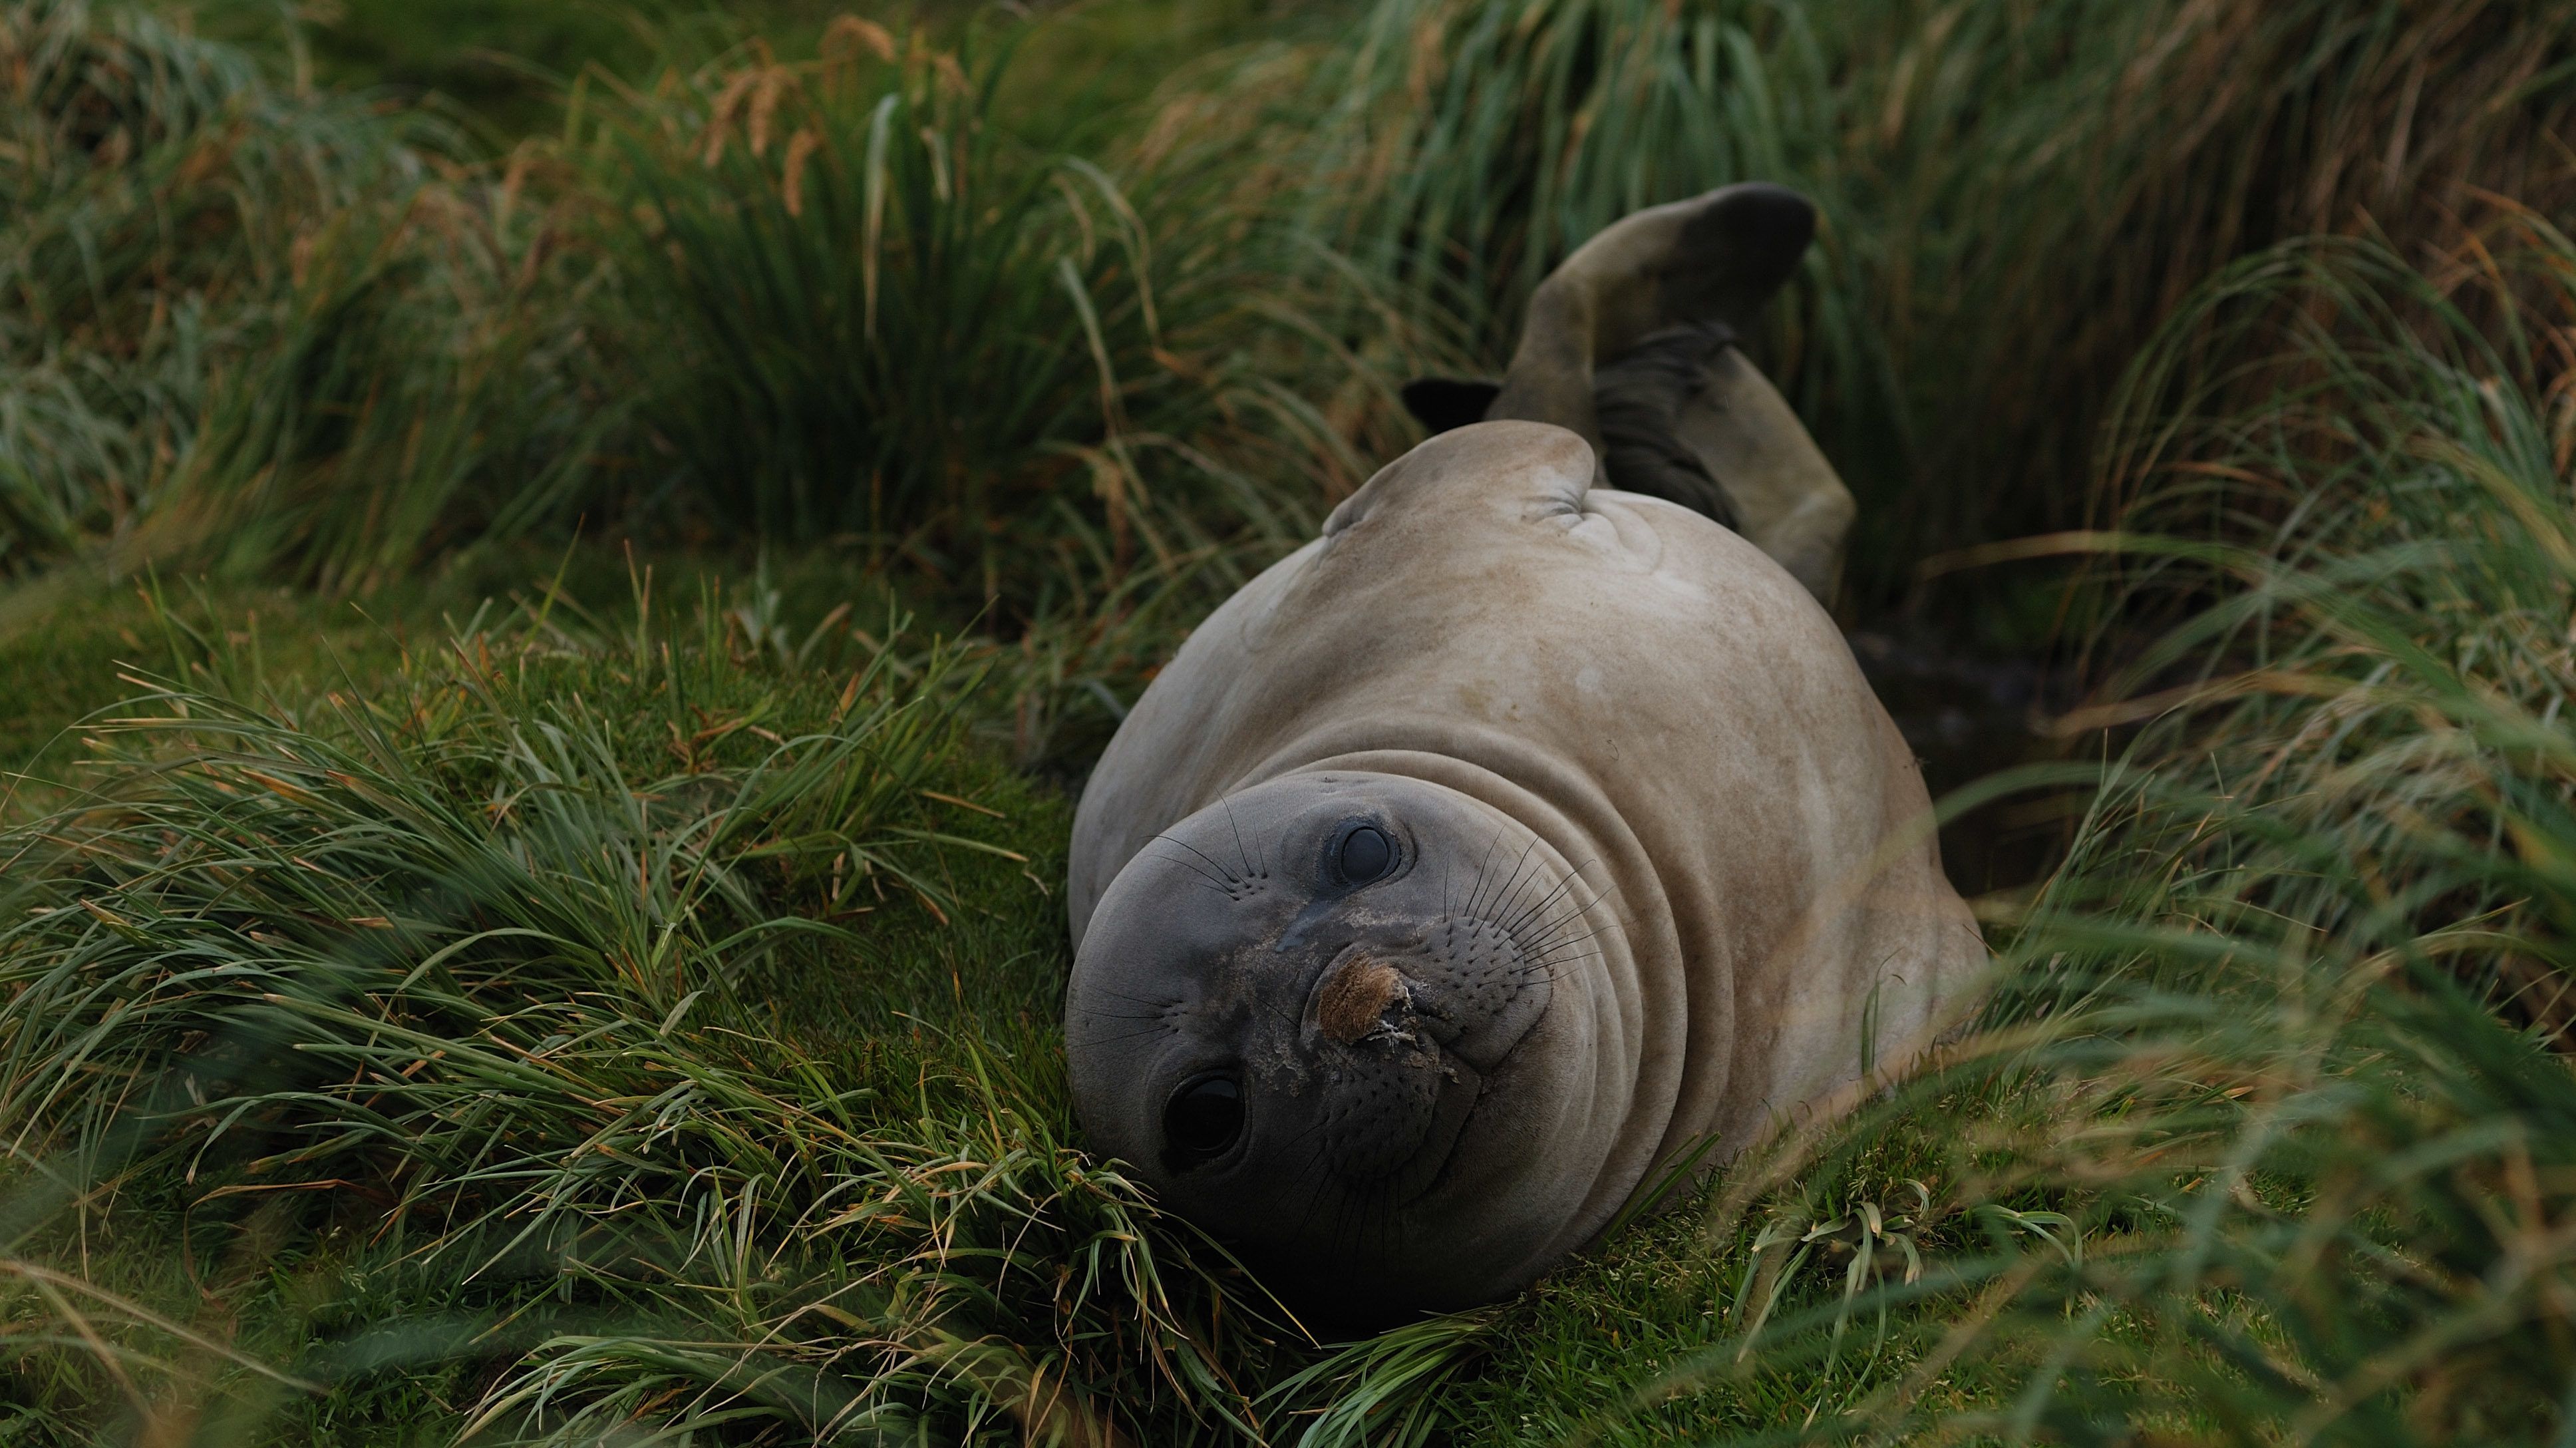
1338	1019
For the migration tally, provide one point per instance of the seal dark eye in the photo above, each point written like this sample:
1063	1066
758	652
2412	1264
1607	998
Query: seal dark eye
1204	1117
1366	854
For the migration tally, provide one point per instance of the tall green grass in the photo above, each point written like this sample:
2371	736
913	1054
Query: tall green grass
658	1018
2375	568
2016	197
2295	1006
832	292
275	330
636	1021
863	310
829	297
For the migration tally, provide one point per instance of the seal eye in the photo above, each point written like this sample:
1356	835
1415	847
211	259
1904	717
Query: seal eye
1204	1117
1366	854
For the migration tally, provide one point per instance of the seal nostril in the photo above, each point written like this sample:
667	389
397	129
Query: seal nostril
1356	998
1366	854
1204	1117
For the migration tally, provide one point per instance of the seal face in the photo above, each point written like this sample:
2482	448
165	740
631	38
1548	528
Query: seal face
1301	1009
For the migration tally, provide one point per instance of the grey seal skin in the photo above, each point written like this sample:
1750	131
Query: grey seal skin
1483	854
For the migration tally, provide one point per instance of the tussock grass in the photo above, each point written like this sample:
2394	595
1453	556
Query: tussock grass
2374	569
800	297
2016	198
925	324
651	1015
271	328
866	311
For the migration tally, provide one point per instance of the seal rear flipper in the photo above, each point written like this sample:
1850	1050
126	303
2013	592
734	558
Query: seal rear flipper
1782	495
1688	418
1642	399
1630	343
1714	258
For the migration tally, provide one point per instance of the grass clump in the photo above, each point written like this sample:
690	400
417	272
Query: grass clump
271	328
2374	569
872	314
668	1029
828	295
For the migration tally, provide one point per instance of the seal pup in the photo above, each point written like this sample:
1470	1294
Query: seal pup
1518	833
1492	849
1631	343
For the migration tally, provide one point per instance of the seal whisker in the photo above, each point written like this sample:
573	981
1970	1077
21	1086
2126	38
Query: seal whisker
1513	886
1158	1002
1111	1040
1350	1218
1488	872
1214	882
1577	911
1315	1193
1483	868
1559	946
1554	946
1153	1009
1548	964
1553	970
1513	925
1546	935
1559	941
1230	877
1573	878
1240	853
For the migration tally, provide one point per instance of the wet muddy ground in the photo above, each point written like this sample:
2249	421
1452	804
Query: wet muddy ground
1970	715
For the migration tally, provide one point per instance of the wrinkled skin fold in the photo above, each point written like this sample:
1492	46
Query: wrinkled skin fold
1501	844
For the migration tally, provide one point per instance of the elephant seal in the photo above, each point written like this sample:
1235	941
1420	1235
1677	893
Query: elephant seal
1519	833
1477	858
